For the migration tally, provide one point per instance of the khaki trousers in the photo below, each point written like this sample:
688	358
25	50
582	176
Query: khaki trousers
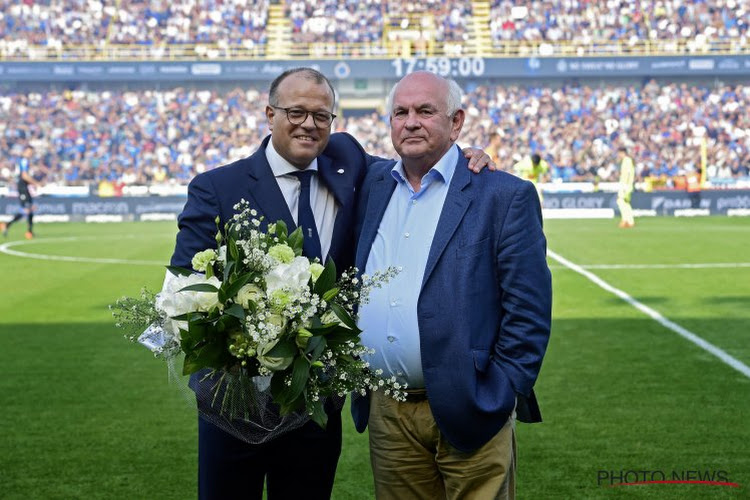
412	460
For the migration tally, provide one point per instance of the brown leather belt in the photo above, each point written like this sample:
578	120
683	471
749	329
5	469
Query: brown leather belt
415	395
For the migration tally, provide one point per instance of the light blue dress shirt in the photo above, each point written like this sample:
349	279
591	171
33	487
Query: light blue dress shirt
389	319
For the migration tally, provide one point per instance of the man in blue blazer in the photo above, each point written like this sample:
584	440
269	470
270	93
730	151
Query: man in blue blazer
300	463
466	322
299	157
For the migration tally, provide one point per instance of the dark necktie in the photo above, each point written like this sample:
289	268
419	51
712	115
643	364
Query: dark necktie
305	217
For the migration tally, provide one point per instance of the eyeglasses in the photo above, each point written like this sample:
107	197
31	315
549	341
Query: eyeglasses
297	116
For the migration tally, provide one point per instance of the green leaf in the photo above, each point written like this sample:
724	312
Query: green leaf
190	316
212	355
191	364
285	348
300	374
228	323
344	316
341	335
199	287
236	311
292	406
324	329
327	279
278	387
191	338
232	250
209	272
296	241
179	271
281	230
204	347
319	415
331	294
243	280
315	347
228	270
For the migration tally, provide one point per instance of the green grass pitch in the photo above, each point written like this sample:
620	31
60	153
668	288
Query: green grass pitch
85	414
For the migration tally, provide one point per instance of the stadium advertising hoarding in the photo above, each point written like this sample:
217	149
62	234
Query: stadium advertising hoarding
454	67
670	203
563	205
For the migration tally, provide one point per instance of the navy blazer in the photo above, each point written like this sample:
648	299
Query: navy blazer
484	310
341	168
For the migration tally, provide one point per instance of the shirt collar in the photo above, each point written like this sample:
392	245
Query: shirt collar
443	169
280	166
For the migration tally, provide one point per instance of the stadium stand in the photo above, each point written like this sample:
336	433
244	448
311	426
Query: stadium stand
697	23
165	133
181	29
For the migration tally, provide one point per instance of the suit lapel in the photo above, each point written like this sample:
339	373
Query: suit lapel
337	181
457	201
380	194
265	190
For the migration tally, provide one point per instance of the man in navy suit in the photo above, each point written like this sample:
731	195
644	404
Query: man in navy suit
466	322
302	462
304	176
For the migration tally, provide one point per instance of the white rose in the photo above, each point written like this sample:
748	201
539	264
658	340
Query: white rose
175	303
296	274
248	293
272	363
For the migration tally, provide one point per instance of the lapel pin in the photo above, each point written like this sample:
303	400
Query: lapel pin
340	171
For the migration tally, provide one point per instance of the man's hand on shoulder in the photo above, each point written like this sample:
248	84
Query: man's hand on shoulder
478	159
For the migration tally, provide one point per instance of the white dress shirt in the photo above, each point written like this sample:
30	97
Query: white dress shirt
323	203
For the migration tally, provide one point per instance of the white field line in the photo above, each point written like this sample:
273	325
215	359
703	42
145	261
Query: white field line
704	265
7	248
682	332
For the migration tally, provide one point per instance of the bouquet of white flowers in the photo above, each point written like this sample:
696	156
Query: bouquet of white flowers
261	318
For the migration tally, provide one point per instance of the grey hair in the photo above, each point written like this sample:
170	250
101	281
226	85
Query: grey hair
455	94
452	101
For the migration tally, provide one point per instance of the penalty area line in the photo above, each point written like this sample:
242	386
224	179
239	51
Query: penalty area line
671	325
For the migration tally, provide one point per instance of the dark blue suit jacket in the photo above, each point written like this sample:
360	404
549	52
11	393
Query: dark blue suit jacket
341	168
484	310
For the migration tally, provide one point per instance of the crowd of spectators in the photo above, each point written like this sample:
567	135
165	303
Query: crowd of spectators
167	136
696	22
55	24
579	128
134	137
363	27
233	22
223	24
335	21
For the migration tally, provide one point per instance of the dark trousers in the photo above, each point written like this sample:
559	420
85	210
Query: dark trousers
299	464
